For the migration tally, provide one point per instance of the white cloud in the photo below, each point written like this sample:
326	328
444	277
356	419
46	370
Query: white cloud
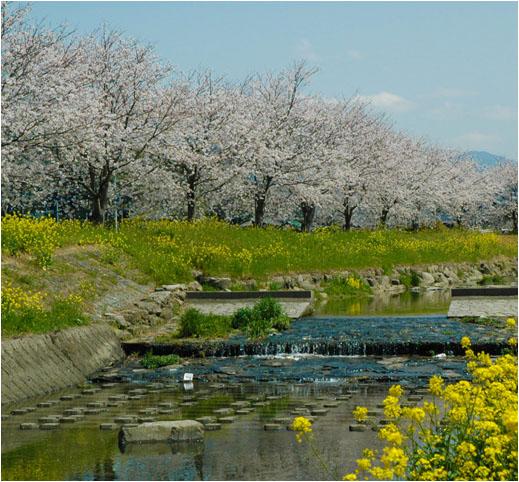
388	101
477	140
500	112
306	50
446	92
354	54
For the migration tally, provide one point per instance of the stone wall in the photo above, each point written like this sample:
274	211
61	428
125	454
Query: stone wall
39	364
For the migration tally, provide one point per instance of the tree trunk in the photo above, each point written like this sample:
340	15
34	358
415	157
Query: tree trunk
191	197
308	216
383	216
99	204
259	209
348	215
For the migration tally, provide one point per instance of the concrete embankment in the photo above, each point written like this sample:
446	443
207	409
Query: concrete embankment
39	364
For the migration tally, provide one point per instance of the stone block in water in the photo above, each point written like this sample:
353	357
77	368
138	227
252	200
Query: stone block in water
70	419
124	419
19	411
242	411
213	426
319	411
170	431
108	426
223	411
226	419
271	427
28	426
206	420
330	404
49	426
145	419
358	428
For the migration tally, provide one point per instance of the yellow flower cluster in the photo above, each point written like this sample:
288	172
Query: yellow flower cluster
15	299
302	426
354	283
37	237
467	432
360	414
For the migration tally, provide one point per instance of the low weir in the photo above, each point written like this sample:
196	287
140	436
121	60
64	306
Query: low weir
336	336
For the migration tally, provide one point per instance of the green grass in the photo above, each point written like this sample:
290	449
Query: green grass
62	314
491	280
156	361
201	325
168	251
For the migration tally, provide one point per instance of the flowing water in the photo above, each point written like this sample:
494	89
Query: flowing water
324	362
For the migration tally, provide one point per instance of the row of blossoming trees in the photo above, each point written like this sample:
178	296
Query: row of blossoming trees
99	123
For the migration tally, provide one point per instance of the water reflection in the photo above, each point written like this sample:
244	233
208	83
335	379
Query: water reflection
408	303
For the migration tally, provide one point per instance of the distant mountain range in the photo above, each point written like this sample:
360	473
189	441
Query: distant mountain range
484	158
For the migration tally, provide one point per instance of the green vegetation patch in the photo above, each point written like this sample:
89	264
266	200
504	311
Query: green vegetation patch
410	280
201	325
156	361
350	286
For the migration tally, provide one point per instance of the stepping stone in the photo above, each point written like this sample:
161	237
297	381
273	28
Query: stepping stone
206	420
135	397
108	385
166	405
240	404
121	396
223	411
319	411
74	411
259	404
95	404
227	419
138	391
19	411
68	419
283	420
30	409
66	397
187	404
79	417
165	411
90	391
414	398
409	404
124	419
28	426
145	419
108	426
148	411
330	404
311	405
92	411
343	397
49	426
212	426
358	428
49	419
375	413
113	404
271	427
44	404
273	397
242	412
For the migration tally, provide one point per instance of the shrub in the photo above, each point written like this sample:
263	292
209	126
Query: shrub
258	327
156	361
491	280
242	317
196	324
281	323
267	308
410	280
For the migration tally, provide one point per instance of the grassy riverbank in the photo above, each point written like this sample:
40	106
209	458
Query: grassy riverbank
72	258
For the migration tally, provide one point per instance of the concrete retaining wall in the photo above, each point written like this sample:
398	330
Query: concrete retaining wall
39	364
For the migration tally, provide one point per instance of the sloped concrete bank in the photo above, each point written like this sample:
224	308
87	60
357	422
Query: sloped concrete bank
39	364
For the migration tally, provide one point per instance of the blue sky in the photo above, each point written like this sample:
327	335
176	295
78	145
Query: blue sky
443	70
